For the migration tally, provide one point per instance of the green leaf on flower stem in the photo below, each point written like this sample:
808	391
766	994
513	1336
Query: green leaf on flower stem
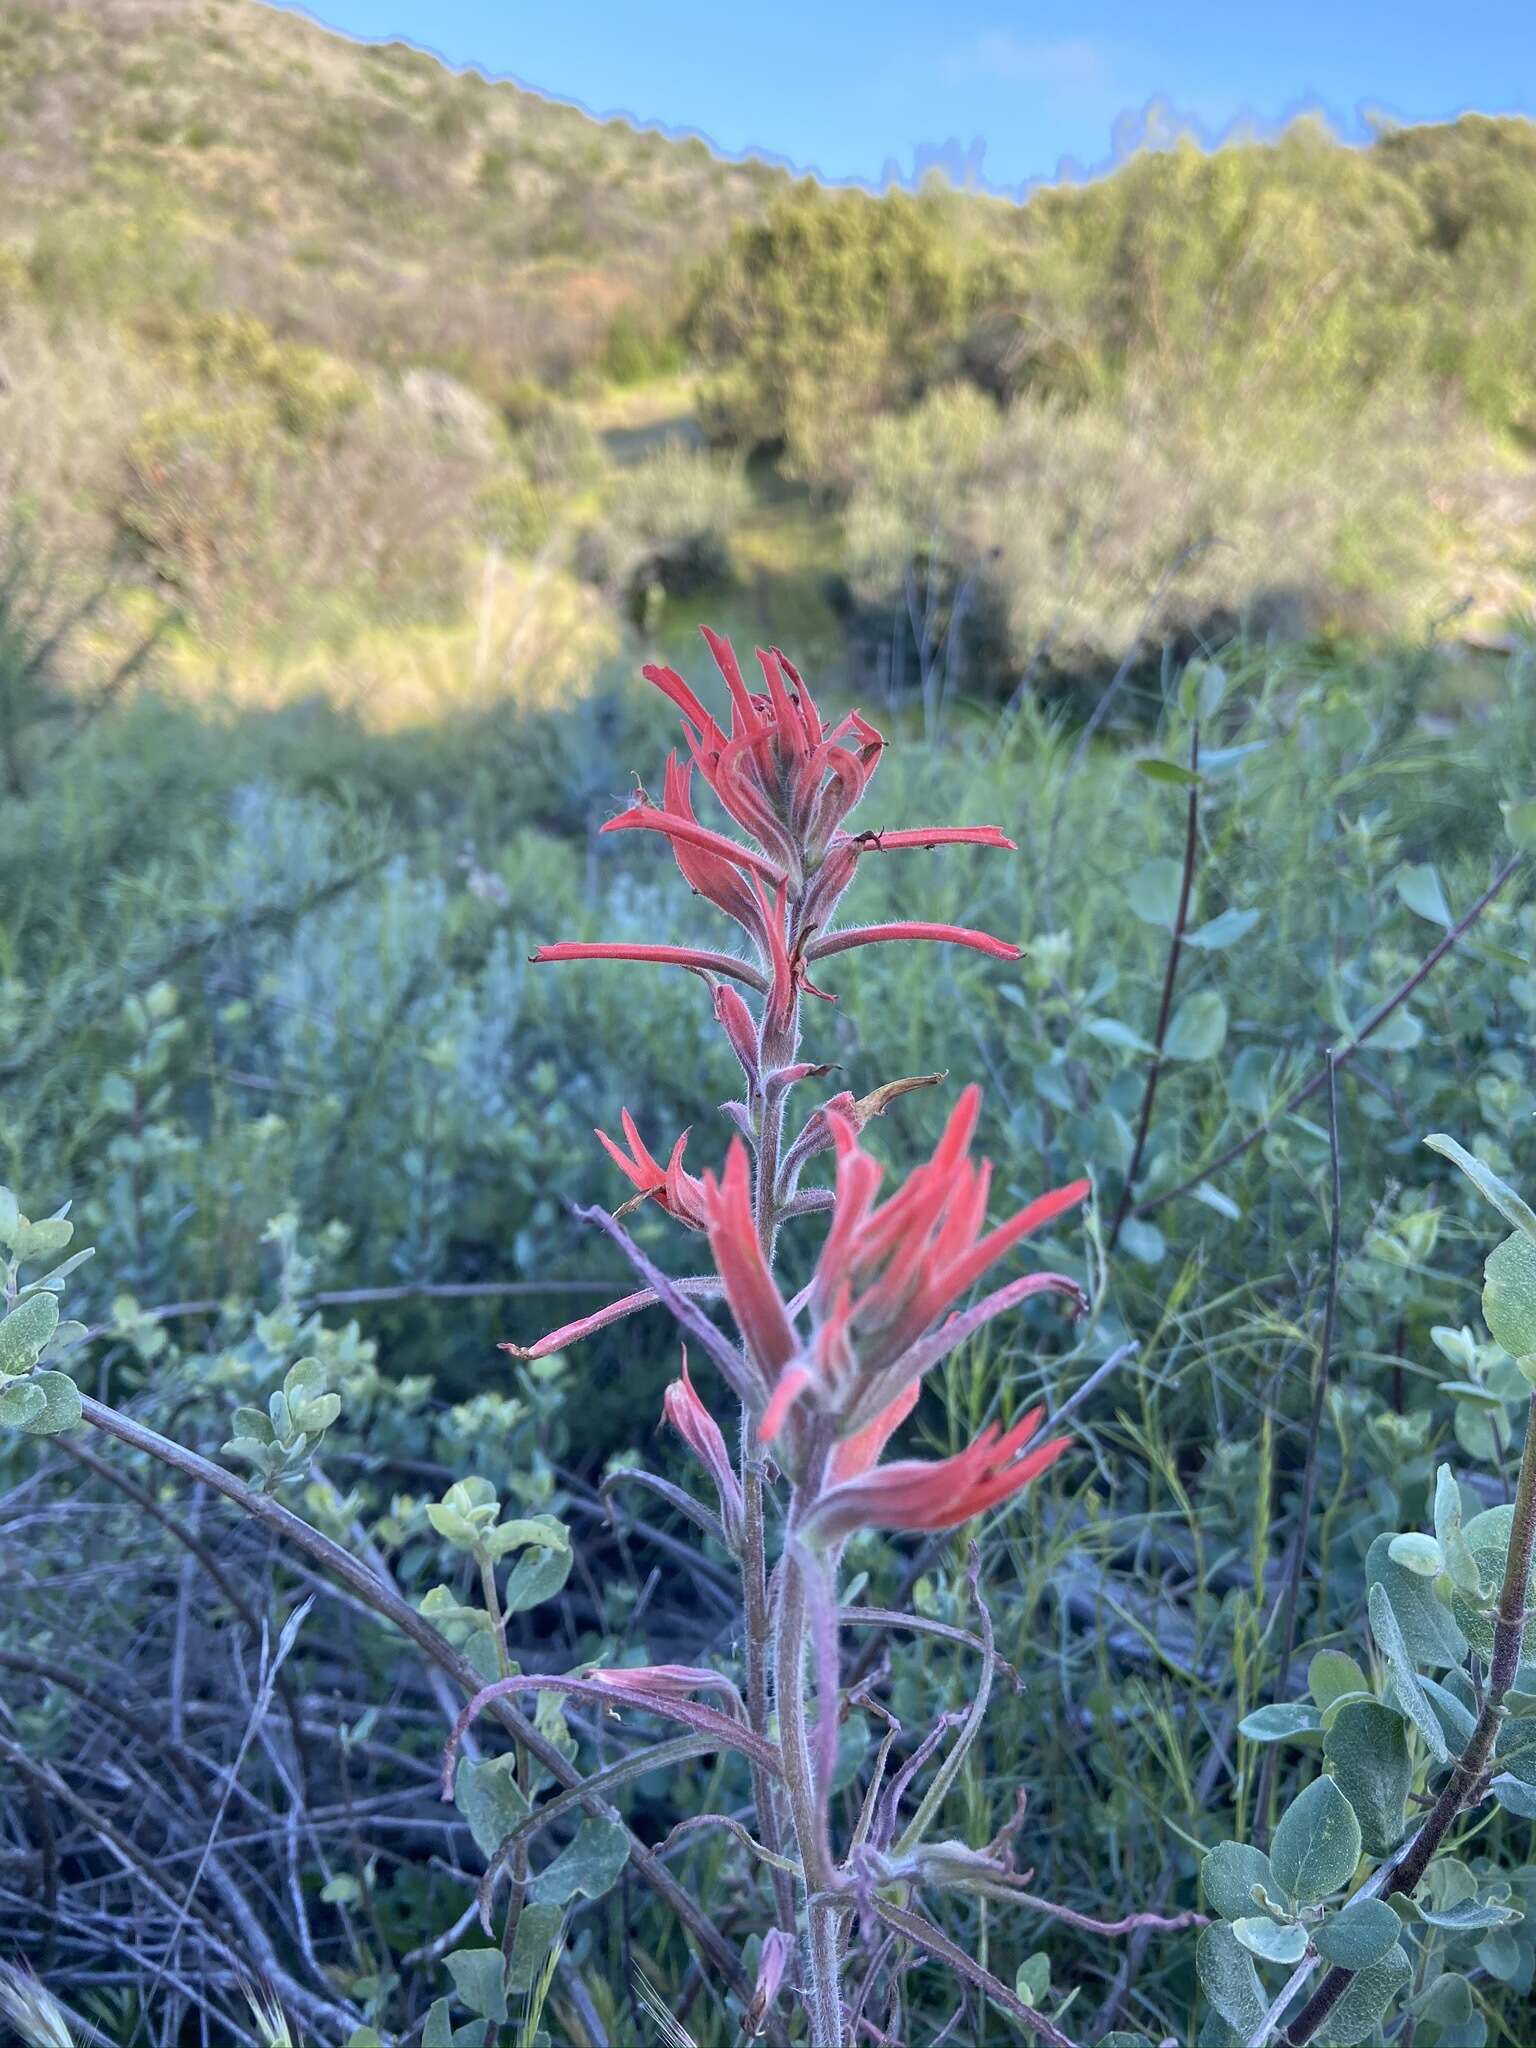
1419	888
1400	1032
1222	931
1358	2013
478	1979
1405	1680
1228	1978
1333	1676
1499	1954
1202	690
61	1408
544	1534
1285	1721
26	1333
1153	892
538	1929
1358	1936
1144	1241
1032	1980
490	1799
1367	1747
1110	1031
1427	1624
1509	1295
1272	1941
587	1866
1228	1875
540	1574
1520	823
453	1528
1499	1193
438	2031
1417	1553
1317	1844
1199	1028
1158	770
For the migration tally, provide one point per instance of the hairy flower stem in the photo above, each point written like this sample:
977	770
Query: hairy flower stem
759	1654
1406	1872
808	1796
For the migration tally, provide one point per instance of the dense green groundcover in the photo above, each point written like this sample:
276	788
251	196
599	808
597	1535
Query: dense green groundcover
267	1018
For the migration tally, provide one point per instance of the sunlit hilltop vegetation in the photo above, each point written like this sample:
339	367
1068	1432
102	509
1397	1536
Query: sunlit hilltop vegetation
305	339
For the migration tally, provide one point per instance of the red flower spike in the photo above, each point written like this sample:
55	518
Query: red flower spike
661	1681
888	1274
773	1960
878	934
689	832
749	1286
740	1027
694	957
782	773
701	1288
933	835
678	1192
697	1427
857	1453
921	1495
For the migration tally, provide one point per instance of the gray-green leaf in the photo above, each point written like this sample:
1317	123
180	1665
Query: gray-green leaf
589	1865
1228	1875
477	1978
1509	1294
26	1333
1199	1027
1358	2013
1317	1843
1228	1978
1410	1694
1367	1746
61	1408
488	1796
1488	1184
1273	1941
1359	1936
1285	1721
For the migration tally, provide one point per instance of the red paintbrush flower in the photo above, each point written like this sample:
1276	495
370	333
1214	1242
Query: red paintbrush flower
678	1192
887	1275
662	1681
696	957
918	1494
857	1453
780	772
699	1430
750	1289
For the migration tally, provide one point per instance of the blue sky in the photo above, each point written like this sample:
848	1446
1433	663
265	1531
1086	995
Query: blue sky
846	87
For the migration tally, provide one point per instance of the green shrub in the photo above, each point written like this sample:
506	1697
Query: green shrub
667	525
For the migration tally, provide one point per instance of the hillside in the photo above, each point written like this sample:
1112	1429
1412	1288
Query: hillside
363	198
404	385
